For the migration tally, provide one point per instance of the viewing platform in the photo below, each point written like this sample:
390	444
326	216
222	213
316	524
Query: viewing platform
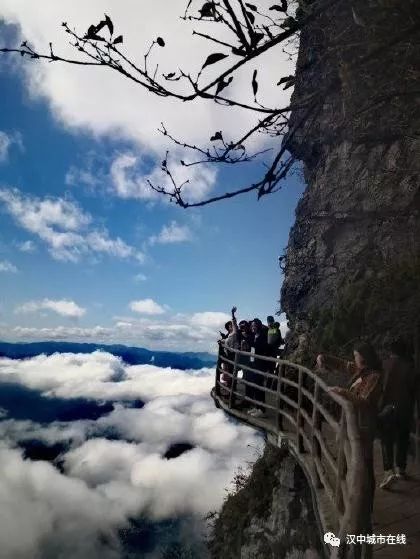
320	429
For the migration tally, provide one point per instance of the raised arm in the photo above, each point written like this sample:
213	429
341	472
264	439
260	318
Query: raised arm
336	364
234	321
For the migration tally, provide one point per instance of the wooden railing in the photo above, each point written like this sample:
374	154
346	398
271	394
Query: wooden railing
320	428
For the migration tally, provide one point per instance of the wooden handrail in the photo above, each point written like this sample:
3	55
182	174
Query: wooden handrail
300	405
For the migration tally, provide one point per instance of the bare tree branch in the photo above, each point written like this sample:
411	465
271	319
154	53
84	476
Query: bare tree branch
250	32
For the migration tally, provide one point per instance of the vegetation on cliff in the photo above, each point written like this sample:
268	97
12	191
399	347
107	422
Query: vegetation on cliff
269	514
389	296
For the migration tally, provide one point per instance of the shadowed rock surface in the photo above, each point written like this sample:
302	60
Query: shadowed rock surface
358	223
271	516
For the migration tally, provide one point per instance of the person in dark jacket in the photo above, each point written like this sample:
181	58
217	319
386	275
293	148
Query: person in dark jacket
274	338
231	341
246	334
259	346
244	360
397	410
274	341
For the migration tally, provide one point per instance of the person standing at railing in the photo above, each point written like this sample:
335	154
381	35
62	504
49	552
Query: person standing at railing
244	360
259	346
363	390
274	337
274	341
397	411
232	340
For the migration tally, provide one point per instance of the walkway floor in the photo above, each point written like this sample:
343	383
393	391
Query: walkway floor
397	511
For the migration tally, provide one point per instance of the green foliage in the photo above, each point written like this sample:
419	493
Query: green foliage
252	505
250	498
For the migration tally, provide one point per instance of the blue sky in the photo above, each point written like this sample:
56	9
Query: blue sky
136	265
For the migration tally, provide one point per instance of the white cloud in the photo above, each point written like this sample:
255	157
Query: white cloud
178	409
172	233
62	307
6	266
27	246
125	180
6	142
284	328
129	179
210	319
4	146
43	510
140	277
179	332
76	177
64	227
107	482
95	333
90	376
76	94
146	306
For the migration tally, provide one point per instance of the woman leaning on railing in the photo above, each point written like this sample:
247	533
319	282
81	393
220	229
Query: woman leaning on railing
363	390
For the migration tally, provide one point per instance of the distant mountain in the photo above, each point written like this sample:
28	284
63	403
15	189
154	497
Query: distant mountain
131	355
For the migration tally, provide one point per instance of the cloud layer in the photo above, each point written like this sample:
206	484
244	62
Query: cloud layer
105	481
155	327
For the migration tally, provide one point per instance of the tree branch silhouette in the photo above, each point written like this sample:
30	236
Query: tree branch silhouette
250	32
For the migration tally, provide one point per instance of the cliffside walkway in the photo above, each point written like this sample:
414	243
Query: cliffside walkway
321	431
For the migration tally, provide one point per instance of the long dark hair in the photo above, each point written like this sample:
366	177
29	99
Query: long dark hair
370	357
400	348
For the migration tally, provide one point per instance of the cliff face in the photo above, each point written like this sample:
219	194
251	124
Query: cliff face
271	515
358	223
352	265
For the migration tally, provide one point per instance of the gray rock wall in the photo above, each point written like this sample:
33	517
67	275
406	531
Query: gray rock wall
360	151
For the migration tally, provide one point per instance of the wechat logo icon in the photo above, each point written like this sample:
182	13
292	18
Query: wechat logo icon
330	538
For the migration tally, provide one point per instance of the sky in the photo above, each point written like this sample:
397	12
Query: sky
87	251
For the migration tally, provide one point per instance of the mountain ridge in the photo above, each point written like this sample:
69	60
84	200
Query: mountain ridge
131	355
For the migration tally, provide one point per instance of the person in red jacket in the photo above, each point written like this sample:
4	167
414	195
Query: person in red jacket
364	390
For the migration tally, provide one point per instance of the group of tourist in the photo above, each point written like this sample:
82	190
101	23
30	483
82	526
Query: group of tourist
384	394
256	338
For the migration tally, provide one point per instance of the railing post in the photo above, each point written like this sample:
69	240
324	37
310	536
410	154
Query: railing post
338	497
278	398
234	379
218	365
316	424
299	418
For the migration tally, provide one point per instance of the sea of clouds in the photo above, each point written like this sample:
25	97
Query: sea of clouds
110	473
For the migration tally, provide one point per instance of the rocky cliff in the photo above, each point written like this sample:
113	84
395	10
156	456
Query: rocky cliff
352	262
270	516
352	265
